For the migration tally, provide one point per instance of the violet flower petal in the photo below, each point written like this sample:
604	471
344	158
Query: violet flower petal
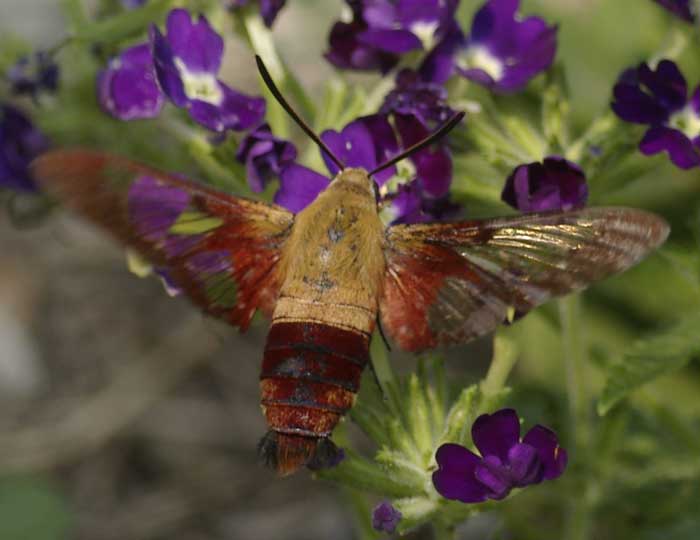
555	184
679	147
518	49
553	457
346	51
525	465
494	476
299	186
264	156
353	146
633	105
127	88
20	143
433	166
439	64
455	477
667	84
197	45
168	75
495	434
385	144
236	111
391	41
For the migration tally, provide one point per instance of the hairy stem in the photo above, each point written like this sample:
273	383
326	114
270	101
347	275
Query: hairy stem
579	516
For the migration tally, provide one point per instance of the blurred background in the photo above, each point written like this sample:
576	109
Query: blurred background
125	414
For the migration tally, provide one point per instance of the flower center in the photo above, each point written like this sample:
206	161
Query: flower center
200	86
687	121
405	172
425	31
479	57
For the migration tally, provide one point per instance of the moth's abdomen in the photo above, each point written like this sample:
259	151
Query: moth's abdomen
311	373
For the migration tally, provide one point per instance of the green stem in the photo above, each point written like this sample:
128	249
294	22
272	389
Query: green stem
363	514
505	355
580	510
259	37
201	151
674	44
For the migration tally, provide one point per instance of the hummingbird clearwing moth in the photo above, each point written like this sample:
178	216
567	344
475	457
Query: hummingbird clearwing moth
327	274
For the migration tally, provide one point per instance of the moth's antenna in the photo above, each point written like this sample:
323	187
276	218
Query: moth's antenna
291	112
444	129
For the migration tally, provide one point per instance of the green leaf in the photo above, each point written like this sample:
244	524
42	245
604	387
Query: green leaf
31	509
460	418
359	473
649	359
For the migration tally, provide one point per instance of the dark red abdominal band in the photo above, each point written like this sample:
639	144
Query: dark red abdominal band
310	375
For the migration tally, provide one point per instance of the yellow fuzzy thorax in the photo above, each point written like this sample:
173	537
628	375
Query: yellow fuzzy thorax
333	264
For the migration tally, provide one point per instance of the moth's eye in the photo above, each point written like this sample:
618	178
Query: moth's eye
375	188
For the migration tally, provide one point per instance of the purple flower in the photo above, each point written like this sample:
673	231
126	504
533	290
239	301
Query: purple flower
127	89
411	204
348	51
381	30
660	99
506	461
503	51
31	75
264	156
20	143
418	108
681	8
425	100
268	8
554	184
187	61
368	142
385	517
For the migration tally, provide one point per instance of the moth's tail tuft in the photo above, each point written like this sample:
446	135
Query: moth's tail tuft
287	453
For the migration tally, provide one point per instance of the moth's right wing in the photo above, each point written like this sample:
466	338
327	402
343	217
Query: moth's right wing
222	251
449	283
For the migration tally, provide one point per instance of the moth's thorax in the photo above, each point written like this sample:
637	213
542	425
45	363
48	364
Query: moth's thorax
333	262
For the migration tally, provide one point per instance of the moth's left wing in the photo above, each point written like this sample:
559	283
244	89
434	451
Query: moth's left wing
222	251
449	283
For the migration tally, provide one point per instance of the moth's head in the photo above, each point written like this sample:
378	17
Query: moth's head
356	177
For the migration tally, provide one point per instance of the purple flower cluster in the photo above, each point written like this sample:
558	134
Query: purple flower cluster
506	461
416	109
20	143
502	50
659	98
269	9
31	75
377	32
264	156
681	8
181	66
554	184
